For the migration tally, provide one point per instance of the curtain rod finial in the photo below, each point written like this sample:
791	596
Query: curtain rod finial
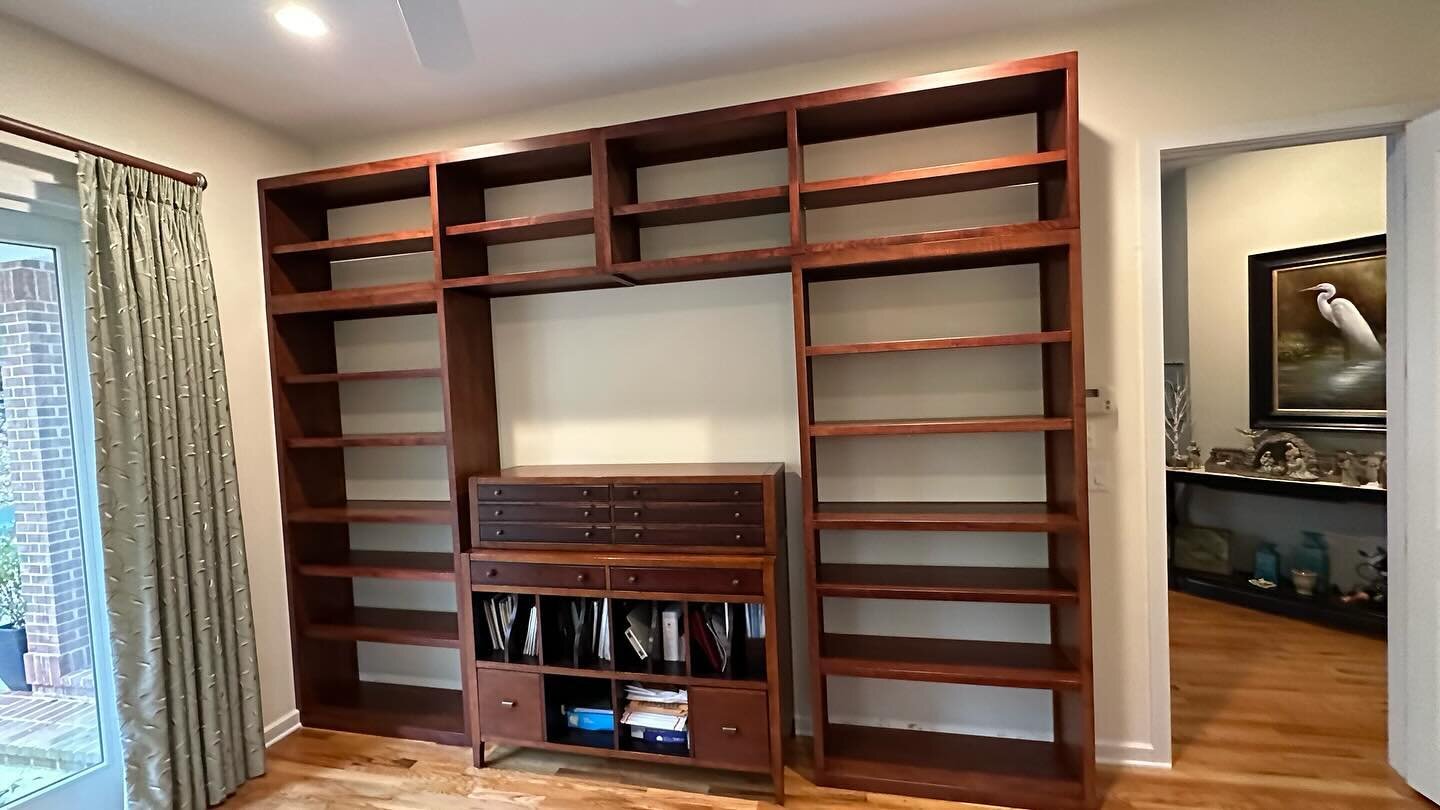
201	182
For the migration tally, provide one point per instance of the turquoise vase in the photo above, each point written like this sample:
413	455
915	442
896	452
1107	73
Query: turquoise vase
1267	562
1314	555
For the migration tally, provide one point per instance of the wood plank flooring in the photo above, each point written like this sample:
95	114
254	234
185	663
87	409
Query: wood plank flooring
1269	714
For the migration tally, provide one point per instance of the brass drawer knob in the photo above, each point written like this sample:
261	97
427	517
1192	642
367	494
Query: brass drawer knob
634	493
585	513
499	492
579	577
584	493
737	514
492	573
632	579
499	512
739	536
735	583
636	513
735	493
637	535
499	532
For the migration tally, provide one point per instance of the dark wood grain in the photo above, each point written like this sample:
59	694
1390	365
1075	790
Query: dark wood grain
943	660
360	376
941	517
1012	170
361	302
375	512
731	264
933	344
392	710
383	565
361	247
969	424
369	440
941	582
708	207
527	229
359	184
421	628
569	279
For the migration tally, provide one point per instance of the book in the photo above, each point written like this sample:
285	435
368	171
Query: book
659	736
672	633
635	644
704	639
589	719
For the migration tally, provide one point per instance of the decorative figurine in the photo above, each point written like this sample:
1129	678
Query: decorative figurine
1296	465
1267	464
1195	462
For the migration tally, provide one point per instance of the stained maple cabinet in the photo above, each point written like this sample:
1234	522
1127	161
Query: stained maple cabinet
578	534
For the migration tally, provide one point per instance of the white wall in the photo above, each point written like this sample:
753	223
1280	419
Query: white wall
1256	202
50	83
1144	72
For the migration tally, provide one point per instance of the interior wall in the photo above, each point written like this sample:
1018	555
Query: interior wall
53	84
1144	72
1256	202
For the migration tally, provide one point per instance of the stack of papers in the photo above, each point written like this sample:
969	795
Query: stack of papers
662	709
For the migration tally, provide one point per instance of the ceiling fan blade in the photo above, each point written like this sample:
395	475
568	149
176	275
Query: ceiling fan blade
438	32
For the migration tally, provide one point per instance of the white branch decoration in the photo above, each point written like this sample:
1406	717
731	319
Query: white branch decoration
1177	415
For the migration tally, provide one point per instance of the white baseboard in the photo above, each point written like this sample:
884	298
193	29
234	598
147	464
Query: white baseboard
1124	754
288	724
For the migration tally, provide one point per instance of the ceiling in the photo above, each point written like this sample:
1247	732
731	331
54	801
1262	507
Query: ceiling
363	79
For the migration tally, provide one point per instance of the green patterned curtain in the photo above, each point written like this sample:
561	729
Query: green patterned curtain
175	579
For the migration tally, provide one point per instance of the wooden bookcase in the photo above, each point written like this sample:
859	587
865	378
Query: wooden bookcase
621	218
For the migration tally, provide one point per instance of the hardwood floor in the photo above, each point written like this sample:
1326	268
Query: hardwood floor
1269	714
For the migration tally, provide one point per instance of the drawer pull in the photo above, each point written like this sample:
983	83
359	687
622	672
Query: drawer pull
509	704
636	513
634	493
589	533
579	577
499	512
737	515
499	532
739	537
586	513
730	729
734	493
735	582
632	579
499	492
492	573
637	535
585	493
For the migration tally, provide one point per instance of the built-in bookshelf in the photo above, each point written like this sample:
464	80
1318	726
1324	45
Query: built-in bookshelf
632	225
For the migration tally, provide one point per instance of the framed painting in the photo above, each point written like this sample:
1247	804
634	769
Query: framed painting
1317	336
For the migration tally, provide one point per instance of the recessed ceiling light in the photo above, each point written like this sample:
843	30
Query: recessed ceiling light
301	21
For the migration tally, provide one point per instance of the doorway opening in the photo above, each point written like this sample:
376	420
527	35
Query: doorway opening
1274	390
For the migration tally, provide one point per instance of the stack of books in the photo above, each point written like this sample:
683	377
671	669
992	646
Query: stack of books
713	631
583	631
657	716
501	613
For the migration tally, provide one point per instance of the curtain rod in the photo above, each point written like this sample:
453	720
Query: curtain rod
53	138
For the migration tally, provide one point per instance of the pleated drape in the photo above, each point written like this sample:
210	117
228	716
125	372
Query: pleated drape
177	591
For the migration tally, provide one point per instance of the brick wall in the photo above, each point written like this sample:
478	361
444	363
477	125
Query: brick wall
42	470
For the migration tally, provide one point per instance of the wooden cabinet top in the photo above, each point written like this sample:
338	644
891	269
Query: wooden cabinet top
640	473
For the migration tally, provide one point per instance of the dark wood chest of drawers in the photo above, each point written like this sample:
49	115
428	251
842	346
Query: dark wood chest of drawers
698	540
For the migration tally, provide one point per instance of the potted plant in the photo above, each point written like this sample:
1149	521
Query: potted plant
12	620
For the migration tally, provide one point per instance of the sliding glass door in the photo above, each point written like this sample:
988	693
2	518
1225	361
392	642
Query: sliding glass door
58	736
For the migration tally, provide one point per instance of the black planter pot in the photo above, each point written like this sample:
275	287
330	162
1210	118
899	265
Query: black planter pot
12	658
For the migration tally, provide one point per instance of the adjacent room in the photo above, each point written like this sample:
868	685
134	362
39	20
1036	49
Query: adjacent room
679	404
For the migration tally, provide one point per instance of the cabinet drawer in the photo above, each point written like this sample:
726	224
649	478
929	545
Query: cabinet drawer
687	492
509	705
730	727
584	513
542	533
747	514
540	492
688	580
483	572
753	536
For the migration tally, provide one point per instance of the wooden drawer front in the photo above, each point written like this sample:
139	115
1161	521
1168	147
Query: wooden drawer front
542	533
690	536
484	572
688	580
746	514
730	727
687	492
541	492
509	705
587	513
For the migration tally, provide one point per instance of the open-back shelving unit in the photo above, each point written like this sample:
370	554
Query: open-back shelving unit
304	305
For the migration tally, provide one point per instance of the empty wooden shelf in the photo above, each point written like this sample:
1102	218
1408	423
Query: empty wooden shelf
671	531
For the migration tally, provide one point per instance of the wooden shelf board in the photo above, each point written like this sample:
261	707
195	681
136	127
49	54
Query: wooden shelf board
932	344
975	175
390	710
438	512
929	101
987	770
939	582
360	376
528	229
708	134
999	246
733	264
616	753
623	675
568	279
709	207
902	427
421	565
423	628
940	660
342	187
941	516
372	246
510	163
369	440
380	301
